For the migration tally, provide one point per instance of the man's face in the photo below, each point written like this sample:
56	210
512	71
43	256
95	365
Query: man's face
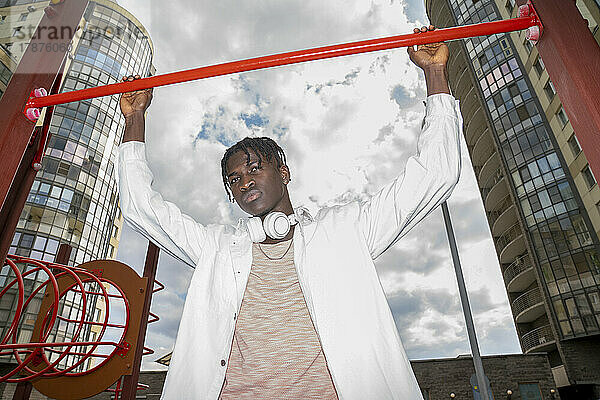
258	189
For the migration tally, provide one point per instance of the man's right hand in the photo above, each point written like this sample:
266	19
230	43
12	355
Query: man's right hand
133	106
135	102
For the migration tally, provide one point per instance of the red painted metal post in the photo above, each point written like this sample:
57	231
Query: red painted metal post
487	28
23	391
37	69
21	185
16	197
63	254
572	59
130	382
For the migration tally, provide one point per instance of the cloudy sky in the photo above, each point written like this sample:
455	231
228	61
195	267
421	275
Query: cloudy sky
348	126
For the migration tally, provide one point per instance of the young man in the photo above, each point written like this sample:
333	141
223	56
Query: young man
296	314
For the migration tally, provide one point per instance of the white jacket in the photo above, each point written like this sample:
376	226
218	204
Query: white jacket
334	253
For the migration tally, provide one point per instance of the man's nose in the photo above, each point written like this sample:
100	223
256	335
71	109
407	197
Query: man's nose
247	183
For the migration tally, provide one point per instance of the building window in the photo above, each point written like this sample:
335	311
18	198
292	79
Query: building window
425	393
17	31
23	17
562	116
528	45
2	18
483	60
510	5
574	145
6	47
5	73
588	176
530	391
550	90
538	65
63	169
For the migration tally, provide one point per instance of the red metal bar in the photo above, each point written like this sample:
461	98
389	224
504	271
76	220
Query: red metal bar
130	382
147	352
154	318
459	32
159	288
58	344
572	58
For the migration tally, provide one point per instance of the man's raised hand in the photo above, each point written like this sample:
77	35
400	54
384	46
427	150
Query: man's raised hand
135	102
432	59
133	106
429	55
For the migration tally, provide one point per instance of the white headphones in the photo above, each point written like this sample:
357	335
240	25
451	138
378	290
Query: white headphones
276	225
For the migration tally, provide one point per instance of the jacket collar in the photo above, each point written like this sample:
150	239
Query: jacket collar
303	216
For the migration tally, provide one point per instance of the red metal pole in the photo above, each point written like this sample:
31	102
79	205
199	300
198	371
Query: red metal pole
17	196
36	69
572	59
130	382
22	391
459	32
24	177
63	254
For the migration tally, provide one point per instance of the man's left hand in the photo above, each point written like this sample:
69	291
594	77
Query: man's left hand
429	55
432	59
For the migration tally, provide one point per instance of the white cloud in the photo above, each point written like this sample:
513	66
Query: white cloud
344	135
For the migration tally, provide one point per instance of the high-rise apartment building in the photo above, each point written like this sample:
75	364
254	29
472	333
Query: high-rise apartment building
74	197
541	198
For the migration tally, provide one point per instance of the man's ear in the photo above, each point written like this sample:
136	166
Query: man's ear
285	174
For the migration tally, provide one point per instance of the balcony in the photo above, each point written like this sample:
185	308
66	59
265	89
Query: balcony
503	205
519	275
474	126
539	339
507	218
508	236
510	244
484	147
489	167
491	181
494	190
529	306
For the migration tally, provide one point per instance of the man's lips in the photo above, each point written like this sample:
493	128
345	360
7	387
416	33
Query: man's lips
252	195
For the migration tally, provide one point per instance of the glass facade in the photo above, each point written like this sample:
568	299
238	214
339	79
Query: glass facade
5	74
10	3
564	245
74	198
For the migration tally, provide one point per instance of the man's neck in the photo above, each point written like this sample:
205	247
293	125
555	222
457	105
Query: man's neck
290	235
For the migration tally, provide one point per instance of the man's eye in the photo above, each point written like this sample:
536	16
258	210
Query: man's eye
254	168
233	180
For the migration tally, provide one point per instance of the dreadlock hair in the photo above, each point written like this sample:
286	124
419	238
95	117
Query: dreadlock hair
264	147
